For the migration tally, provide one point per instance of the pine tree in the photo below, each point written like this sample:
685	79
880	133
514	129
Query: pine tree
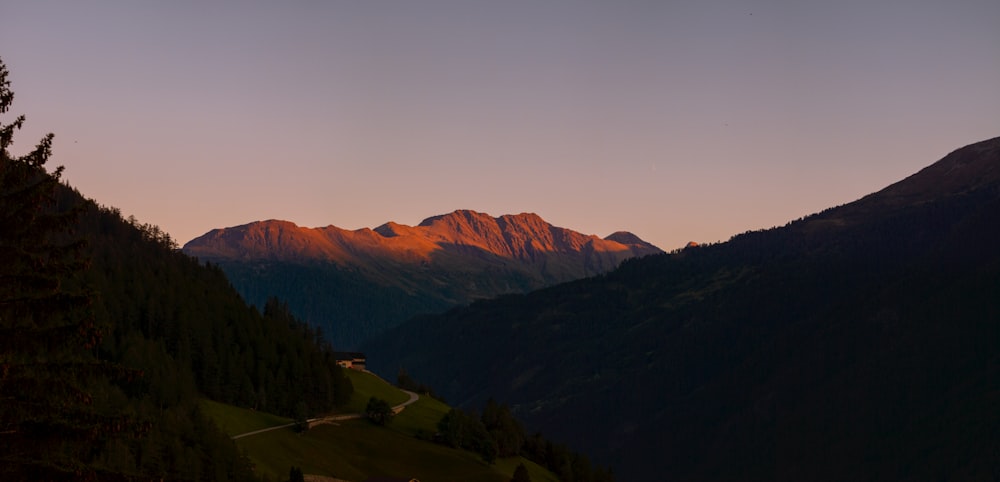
53	417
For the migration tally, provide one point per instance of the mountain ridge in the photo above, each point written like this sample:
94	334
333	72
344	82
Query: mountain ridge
519	236
960	172
355	283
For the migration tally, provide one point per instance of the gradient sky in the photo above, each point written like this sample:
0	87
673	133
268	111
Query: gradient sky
676	120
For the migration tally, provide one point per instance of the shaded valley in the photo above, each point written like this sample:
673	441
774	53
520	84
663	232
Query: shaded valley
860	343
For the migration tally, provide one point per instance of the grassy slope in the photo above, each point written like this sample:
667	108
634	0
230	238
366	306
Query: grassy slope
235	420
355	450
366	386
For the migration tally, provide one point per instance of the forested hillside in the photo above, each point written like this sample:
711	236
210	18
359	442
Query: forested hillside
861	343
192	335
150	290
109	335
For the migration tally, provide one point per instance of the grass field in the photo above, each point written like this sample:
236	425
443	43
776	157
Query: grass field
366	386
419	417
357	449
536	472
235	420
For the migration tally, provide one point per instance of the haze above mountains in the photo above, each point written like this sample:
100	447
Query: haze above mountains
355	283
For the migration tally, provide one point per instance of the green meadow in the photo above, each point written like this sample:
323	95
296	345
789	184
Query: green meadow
367	385
235	420
357	449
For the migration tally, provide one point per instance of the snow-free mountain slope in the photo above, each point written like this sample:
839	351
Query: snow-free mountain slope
355	283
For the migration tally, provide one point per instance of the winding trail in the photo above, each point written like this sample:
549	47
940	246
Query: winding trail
332	418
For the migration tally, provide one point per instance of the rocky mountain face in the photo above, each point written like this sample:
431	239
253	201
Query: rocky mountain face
522	237
859	343
355	283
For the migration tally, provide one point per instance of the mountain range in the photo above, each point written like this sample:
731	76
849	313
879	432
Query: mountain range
859	343
356	283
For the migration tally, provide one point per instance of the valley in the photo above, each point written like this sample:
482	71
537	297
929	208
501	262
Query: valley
861	342
355	284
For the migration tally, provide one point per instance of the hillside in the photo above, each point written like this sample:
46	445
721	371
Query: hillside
110	335
358	449
116	349
190	334
357	283
860	343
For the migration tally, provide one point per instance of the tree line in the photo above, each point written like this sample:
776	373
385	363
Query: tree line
496	433
109	337
188	331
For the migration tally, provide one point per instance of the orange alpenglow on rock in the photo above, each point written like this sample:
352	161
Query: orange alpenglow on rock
524	237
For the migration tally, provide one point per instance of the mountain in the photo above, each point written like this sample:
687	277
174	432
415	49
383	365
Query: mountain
859	343
357	283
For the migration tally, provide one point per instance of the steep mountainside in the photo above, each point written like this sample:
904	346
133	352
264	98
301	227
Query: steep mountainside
860	343
192	336
356	283
166	332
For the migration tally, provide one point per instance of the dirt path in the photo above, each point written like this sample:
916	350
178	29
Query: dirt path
332	419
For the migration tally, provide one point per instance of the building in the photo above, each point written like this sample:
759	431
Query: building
353	360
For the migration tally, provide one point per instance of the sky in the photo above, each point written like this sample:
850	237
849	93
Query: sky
676	120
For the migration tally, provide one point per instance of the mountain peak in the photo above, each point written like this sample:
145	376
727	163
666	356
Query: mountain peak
963	169
332	274
524	236
270	239
459	215
391	229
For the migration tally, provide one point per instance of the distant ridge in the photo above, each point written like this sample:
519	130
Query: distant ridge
524	237
357	282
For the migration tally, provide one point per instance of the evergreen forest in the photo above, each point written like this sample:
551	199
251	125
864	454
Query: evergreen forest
109	336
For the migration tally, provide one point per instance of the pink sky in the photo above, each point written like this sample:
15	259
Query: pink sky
677	121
